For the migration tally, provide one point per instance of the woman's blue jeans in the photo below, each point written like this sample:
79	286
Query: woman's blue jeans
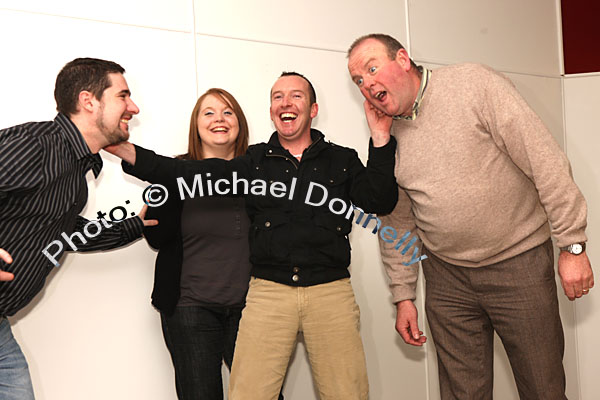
199	339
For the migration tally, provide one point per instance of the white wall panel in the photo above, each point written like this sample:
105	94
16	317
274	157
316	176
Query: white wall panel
396	370
92	333
162	81
582	102
329	24
248	70
511	35
172	14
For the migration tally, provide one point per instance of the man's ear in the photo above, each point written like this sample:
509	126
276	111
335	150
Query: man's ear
86	101
403	59
314	110
271	113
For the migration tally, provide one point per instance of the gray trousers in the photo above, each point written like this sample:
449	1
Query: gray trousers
517	299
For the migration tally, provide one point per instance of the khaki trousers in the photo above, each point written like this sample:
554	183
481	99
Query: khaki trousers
517	299
329	318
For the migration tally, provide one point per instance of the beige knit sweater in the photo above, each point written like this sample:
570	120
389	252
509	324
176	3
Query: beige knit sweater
479	175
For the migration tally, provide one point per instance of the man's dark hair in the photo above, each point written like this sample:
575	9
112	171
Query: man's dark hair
311	90
391	45
90	74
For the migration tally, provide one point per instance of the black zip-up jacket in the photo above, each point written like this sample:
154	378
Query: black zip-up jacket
292	241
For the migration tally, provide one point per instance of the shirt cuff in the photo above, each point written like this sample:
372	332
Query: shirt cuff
383	154
402	292
132	227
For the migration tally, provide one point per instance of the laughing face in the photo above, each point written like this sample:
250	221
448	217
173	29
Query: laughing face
218	126
385	83
291	111
115	110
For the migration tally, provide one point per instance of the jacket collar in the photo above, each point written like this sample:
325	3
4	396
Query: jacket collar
318	140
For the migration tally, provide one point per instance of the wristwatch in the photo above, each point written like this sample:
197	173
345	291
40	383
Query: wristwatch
576	248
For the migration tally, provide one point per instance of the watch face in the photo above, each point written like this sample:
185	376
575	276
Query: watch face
576	249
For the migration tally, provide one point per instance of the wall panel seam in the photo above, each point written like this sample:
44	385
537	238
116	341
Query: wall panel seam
407	21
95	20
270	42
575	325
564	113
428	381
504	71
195	48
582	75
559	37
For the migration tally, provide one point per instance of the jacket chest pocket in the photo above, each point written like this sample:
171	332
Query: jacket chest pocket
335	179
325	187
274	173
270	238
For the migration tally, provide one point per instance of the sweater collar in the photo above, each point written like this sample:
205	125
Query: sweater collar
425	75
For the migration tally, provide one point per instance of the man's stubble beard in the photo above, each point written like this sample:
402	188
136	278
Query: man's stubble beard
112	137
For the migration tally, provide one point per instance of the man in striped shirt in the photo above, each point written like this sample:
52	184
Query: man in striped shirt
43	189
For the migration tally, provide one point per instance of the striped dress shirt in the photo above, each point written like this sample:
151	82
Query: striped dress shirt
42	191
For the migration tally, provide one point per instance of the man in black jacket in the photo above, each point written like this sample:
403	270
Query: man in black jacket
299	246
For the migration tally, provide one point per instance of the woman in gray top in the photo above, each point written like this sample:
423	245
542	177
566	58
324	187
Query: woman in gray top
202	267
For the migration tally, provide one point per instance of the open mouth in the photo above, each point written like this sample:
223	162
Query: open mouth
288	116
125	121
219	129
381	95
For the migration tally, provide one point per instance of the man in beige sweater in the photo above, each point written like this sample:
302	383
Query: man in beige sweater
485	185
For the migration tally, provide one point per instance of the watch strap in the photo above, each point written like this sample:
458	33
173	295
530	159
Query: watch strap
569	248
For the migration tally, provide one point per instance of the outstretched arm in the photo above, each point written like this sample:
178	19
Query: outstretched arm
113	234
154	168
125	151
